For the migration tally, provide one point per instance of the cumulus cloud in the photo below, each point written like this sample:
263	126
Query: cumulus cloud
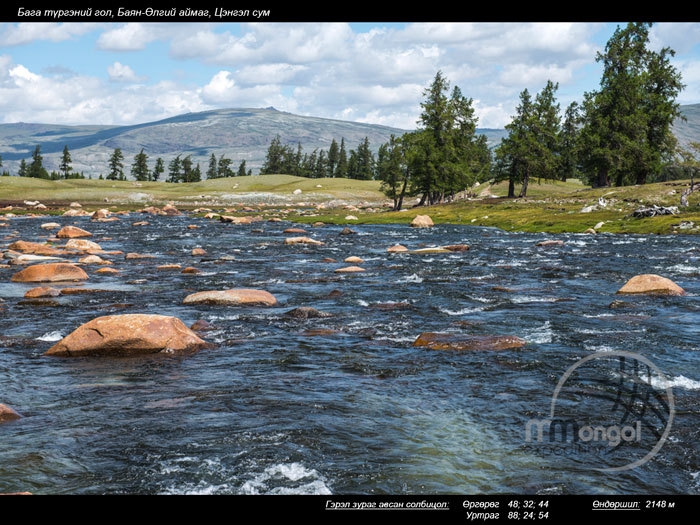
26	32
328	70
123	73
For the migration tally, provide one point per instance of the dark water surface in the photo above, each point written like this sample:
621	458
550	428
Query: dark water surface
361	410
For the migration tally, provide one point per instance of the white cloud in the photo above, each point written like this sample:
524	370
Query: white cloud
122	73
27	32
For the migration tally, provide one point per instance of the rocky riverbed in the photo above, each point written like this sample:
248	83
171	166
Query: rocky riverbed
165	353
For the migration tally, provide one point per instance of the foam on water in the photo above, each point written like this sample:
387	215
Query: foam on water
51	336
276	480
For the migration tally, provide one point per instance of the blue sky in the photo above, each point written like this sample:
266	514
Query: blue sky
126	73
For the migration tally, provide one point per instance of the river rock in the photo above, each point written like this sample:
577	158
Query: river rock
71	232
398	248
82	244
50	272
351	218
198	251
306	312
50	225
347	231
294	230
7	414
93	259
457	247
126	335
35	248
169	209
350	269
43	291
448	341
651	284
133	255
430	250
550	243
422	221
107	270
191	270
301	240
353	259
239	296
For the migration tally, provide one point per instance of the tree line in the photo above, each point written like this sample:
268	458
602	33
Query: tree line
336	162
620	134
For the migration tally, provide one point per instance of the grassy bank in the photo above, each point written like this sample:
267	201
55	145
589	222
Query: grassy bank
554	207
258	188
550	208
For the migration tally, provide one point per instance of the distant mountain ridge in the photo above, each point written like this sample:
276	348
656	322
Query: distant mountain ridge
238	133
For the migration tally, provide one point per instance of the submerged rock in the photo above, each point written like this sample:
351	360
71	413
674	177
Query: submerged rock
306	312
301	240
457	247
550	243
82	244
50	272
43	291
651	284
128	335
347	231
398	248
234	297
447	341
350	269
7	414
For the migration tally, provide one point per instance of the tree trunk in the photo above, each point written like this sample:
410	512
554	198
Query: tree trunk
526	179
511	188
618	179
602	178
642	177
403	192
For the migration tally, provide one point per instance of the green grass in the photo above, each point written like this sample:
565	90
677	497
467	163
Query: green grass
216	190
552	207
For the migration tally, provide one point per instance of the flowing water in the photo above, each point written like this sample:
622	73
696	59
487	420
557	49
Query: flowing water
275	409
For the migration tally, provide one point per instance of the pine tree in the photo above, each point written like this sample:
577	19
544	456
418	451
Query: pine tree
139	169
158	169
23	169
175	170
116	166
333	157
223	169
36	168
212	171
341	169
187	174
65	166
569	143
241	169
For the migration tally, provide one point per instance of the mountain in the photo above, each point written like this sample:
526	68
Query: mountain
239	134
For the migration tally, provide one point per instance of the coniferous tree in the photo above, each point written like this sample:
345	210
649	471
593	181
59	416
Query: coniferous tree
626	132
196	174
116	166
224	169
241	169
333	158
212	171
65	166
569	143
139	169
187	174
158	169
23	169
341	169
175	170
